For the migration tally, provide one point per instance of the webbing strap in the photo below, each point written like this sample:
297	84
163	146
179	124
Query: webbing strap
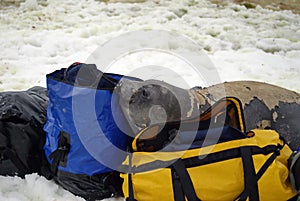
186	182
60	153
265	166
250	181
247	191
177	189
130	185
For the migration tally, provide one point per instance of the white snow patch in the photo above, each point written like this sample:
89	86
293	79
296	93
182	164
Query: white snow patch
243	44
33	187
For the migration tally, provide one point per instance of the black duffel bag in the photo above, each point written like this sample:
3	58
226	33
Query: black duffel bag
22	116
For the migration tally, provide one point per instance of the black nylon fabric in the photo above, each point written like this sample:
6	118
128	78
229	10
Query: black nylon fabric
22	116
91	188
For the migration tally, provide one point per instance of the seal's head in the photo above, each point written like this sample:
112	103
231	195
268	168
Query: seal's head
154	101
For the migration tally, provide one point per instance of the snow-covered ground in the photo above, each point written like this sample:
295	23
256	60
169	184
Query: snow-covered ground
243	44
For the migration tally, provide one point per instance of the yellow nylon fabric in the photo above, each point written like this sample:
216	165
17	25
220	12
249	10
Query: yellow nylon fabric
220	181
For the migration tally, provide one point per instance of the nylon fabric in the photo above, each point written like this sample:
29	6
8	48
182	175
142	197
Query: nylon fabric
84	110
220	181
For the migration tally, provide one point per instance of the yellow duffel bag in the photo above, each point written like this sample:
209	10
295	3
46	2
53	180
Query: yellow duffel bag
250	167
254	168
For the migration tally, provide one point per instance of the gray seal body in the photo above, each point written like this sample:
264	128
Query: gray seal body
265	106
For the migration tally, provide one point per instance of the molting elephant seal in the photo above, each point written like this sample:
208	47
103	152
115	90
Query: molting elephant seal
265	106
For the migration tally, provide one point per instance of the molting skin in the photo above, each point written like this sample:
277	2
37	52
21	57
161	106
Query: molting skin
265	106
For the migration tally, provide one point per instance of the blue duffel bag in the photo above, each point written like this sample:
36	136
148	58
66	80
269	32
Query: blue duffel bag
84	143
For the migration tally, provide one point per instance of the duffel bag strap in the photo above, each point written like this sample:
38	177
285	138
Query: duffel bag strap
250	182
60	154
130	185
250	177
186	183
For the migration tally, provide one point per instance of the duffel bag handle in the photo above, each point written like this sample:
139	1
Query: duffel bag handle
90	76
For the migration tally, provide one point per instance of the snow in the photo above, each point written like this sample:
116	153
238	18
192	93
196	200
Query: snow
41	36
33	187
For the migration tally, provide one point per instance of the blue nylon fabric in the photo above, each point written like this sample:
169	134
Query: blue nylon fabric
94	125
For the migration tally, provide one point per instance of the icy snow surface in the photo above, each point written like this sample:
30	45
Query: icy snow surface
244	44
